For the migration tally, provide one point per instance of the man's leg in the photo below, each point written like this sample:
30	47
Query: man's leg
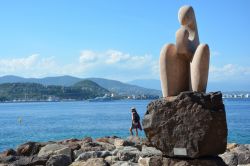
136	132
131	132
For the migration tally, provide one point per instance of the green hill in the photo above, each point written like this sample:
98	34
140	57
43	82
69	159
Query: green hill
113	86
37	92
123	88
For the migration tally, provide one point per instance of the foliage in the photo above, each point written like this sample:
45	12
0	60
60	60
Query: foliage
82	90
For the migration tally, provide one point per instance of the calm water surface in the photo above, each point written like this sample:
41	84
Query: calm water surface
22	122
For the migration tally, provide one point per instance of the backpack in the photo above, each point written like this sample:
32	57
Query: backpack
136	117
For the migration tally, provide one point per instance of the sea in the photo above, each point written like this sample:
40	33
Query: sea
52	121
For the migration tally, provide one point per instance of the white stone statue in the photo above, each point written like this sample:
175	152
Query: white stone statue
184	66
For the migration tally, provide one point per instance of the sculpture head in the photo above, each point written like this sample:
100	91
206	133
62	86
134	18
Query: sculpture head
186	16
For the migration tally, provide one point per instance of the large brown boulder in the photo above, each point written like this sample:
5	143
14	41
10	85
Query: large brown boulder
29	148
192	124
206	161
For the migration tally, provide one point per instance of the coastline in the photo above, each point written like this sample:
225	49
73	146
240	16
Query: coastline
110	150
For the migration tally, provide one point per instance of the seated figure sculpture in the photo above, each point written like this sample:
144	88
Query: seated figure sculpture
184	66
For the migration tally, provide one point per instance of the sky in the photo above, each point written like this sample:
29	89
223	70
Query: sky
117	39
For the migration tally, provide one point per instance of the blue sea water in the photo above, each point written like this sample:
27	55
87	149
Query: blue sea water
44	121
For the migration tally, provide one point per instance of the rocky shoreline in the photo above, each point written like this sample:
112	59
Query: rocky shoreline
112	151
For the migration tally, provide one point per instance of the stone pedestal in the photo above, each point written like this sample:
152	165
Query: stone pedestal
191	125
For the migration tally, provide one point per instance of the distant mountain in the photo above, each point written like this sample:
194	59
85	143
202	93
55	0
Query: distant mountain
60	80
11	79
123	88
111	85
224	86
85	89
147	83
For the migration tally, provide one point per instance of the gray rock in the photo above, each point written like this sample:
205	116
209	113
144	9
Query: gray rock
87	139
187	125
111	159
59	160
125	163
9	159
230	158
134	139
129	153
107	146
4	164
114	152
121	142
96	162
73	144
150	161
31	160
241	148
93	154
150	151
91	162
238	155
76	153
248	146
55	149
92	146
244	158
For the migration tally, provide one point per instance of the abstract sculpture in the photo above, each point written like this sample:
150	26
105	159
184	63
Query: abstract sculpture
184	66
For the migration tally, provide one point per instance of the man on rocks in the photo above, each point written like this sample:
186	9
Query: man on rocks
135	122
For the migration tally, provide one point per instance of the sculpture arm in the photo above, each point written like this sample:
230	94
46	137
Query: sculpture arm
183	43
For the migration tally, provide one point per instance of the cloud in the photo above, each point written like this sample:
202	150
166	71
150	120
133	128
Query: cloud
229	72
17	63
87	56
215	53
119	65
111	64
114	56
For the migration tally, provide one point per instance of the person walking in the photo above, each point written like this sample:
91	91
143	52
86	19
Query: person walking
135	122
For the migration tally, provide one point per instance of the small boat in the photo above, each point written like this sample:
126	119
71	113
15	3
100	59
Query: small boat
101	99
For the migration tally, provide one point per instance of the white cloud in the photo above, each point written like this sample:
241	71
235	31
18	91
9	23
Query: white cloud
123	66
16	64
229	72
111	64
114	56
87	56
215	53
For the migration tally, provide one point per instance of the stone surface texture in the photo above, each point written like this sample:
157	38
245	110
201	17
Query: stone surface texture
209	161
128	153
29	148
150	161
193	120
90	162
184	66
150	151
235	155
59	160
92	154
